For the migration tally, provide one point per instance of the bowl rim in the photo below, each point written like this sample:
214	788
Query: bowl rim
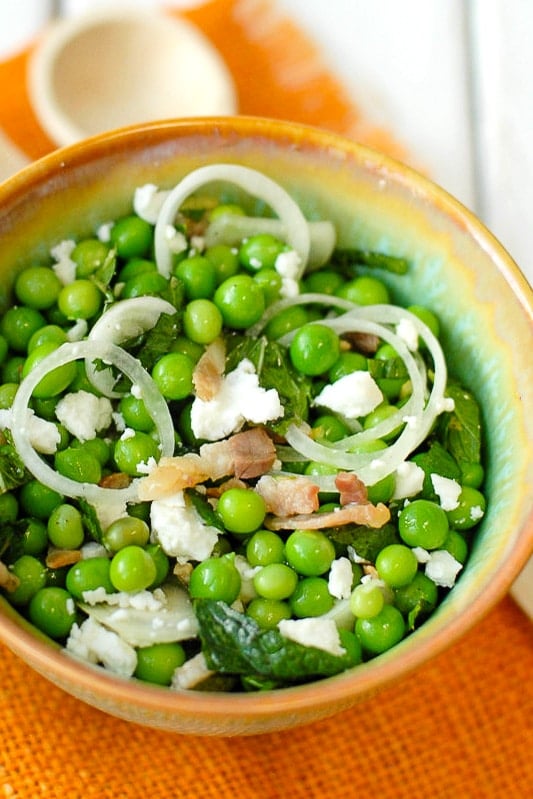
363	680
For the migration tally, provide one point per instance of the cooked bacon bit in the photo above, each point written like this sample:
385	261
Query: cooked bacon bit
288	496
366	343
248	454
217	491
8	580
370	569
172	475
370	515
351	488
56	558
116	480
183	572
208	372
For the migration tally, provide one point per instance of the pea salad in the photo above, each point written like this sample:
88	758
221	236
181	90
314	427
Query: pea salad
228	460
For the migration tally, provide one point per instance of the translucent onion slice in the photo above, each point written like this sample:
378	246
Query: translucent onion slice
254	183
310	298
230	229
420	415
123	320
130	367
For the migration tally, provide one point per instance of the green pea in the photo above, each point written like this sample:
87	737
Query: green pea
421	595
396	564
52	610
469	511
96	447
456	545
162	564
241	510
309	552
329	428
311	598
31	573
49	333
145	284
226	208
268	612
12	369
314	349
57	380
381	632
364	290
215	578
124	532
65	527
346	363
472	474
378	415
172	374
7	394
157	663
383	490
240	301
134	413
38	500
88	575
202	321
135	267
225	261
323	281
185	346
132	237
423	523
132	569
35	537
4	347
18	325
270	283
132	451
260	251
89	255
427	317
78	464
81	299
275	581
286	320
265	547
9	508
199	277
37	287
366	600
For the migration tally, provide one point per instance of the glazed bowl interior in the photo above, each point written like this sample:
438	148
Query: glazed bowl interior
456	268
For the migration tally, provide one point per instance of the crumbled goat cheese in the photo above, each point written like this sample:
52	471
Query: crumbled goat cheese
92	642
340	578
317	632
178	528
409	479
240	399
147	202
353	395
192	672
129	432
140	600
421	554
288	264
446	405
247	573
289	288
136	391
145	467
109	509
92	549
104	232
442	568
447	490
44	436
84	414
176	241
406	330
119	421
197	244
476	513
64	267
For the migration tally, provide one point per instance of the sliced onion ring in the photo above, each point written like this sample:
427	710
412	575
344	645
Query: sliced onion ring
251	181
130	367
123	320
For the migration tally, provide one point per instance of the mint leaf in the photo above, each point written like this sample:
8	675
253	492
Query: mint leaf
436	460
366	541
90	520
460	430
233	643
158	340
13	473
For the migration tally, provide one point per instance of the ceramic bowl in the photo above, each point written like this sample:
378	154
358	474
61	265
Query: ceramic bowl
457	268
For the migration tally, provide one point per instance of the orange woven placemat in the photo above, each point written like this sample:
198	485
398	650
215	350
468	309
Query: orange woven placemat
460	727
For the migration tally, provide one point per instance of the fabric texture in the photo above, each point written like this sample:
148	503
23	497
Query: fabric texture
460	727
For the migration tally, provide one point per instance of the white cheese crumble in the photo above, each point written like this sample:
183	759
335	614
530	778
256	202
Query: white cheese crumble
288	264
118	419
240	399
340	578
289	287
321	633
140	600
476	513
406	330
353	395
447	490
64	267
147	202
442	568
446	405
43	435
409	479
104	232
94	643
145	467
129	432
84	414
192	672
92	549
176	241
109	509
421	554
178	528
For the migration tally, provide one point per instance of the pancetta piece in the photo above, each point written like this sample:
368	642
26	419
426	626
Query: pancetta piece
288	496
208	372
370	515
351	488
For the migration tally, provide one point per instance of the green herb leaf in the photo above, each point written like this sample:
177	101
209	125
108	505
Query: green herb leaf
233	643
366	541
13	473
158	340
436	460
104	275
90	520
204	509
348	260
460	430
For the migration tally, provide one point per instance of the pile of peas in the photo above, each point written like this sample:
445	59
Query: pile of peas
224	289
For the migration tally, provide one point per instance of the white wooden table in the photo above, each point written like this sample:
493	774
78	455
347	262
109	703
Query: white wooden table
452	79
